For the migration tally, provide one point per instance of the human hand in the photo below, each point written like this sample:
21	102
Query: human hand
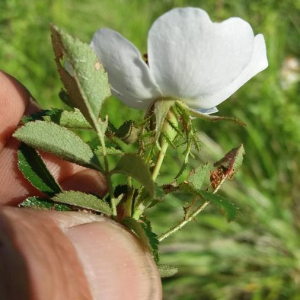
61	255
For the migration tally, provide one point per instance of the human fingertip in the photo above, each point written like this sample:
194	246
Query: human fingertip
116	265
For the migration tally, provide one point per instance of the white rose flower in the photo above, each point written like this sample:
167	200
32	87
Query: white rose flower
190	58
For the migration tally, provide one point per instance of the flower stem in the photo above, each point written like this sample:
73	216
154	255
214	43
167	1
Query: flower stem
161	155
171	133
128	205
167	129
107	173
190	217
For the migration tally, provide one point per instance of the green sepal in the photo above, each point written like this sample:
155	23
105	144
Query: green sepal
161	110
183	113
214	118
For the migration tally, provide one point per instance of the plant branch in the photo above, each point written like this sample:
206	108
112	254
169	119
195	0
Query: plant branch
107	173
190	217
184	222
161	155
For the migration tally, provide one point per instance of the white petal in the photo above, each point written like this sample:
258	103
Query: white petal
258	63
191	57
128	74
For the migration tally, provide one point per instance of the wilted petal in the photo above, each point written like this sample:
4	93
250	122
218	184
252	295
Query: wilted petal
128	74
257	63
191	57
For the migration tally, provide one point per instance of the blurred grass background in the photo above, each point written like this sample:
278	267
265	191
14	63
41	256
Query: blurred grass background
257	257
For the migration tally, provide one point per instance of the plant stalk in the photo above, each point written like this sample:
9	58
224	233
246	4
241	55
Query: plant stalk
171	133
161	155
184	222
107	173
191	217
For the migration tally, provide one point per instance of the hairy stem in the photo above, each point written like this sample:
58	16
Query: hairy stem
171	133
161	155
107	173
183	223
190	217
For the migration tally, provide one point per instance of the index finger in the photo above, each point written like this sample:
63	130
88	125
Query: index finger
14	99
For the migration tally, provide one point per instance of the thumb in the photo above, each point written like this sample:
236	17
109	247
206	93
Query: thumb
56	255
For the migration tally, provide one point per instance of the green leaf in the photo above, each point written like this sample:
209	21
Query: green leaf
39	115
57	140
232	161
198	175
227	207
35	171
61	207
37	203
152	238
136	227
83	200
159	192
109	151
144	232
69	119
132	165
88	85
161	109
43	204
167	271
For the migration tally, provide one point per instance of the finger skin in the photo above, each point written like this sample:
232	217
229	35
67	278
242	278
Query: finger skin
48	265
51	255
15	101
15	188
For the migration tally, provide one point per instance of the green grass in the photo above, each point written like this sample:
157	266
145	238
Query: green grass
257	257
